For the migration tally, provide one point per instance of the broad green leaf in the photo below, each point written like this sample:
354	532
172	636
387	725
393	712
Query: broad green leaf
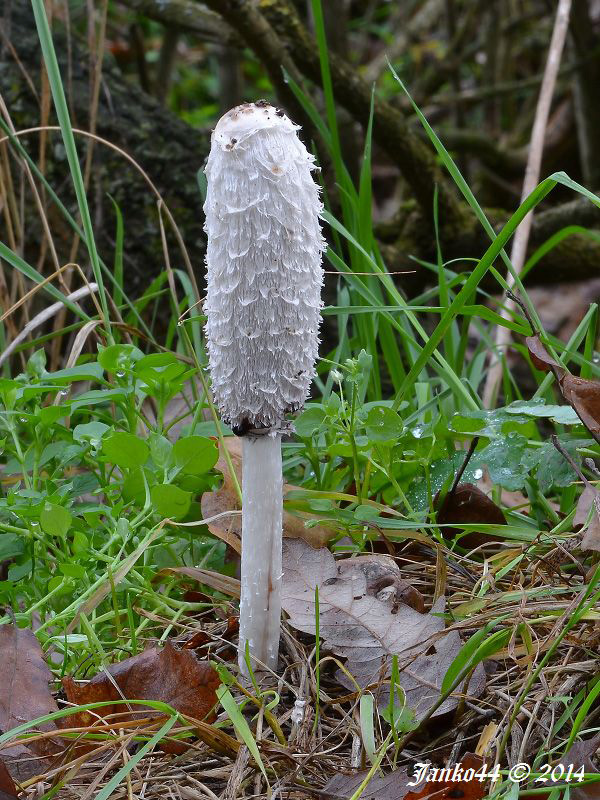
80	542
383	424
11	545
195	455
160	449
125	450
55	520
552	467
119	358
170	501
50	414
563	415
84	372
134	488
309	421
72	570
36	366
96	397
90	432
504	459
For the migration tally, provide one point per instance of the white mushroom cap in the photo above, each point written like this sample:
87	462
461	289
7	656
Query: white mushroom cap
264	266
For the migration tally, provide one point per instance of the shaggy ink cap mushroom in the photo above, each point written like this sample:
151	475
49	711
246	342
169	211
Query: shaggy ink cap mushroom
264	267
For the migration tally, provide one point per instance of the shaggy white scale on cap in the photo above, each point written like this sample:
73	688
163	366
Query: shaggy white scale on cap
264	266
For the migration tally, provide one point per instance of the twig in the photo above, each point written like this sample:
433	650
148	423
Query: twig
532	175
464	465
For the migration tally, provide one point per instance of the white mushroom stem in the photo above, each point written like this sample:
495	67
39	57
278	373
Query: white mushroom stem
262	308
262	502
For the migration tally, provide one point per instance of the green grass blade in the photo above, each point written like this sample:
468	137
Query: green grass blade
241	726
62	112
118	262
367	728
108	789
28	271
472	281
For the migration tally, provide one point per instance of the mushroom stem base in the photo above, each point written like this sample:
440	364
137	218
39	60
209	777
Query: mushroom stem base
262	512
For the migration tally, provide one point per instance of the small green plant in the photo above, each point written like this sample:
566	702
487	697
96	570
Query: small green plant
88	477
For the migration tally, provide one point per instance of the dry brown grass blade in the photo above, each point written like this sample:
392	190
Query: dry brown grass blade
221	583
160	202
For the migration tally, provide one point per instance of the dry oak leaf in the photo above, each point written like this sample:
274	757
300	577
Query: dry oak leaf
581	754
364	630
442	789
165	674
468	505
395	785
383	580
24	696
582	395
589	499
7	785
229	529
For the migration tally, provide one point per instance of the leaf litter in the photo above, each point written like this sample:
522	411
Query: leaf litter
396	785
164	674
367	630
24	696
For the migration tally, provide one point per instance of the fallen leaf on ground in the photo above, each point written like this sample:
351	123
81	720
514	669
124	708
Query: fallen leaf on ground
229	529
443	789
589	499
393	786
7	785
24	696
383	580
165	674
202	639
581	754
582	395
366	632
468	505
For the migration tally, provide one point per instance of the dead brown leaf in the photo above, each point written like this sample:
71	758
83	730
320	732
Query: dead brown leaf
364	630
24	696
582	754
468	505
590	498
582	394
7	785
443	789
226	499
165	674
383	580
393	786
541	358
